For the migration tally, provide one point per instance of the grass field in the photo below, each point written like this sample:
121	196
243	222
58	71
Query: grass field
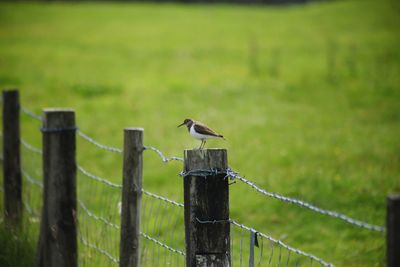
307	97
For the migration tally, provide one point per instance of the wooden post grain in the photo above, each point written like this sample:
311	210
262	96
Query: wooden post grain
393	231
206	199
58	241
11	155
131	197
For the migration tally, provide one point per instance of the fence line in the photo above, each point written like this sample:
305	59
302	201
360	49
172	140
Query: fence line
31	180
334	214
106	147
91	214
94	142
98	249
235	175
31	147
162	244
228	173
162	156
289	248
94	216
163	198
97	178
31	114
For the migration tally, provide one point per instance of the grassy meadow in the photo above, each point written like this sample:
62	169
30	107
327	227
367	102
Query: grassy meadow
307	97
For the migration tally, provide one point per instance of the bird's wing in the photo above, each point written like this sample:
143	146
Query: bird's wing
202	129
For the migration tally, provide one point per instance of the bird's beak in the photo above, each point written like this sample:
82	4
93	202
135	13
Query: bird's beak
181	124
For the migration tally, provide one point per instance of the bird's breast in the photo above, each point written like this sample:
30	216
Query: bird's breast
198	135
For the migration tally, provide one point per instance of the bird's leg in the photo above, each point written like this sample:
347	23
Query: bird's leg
201	144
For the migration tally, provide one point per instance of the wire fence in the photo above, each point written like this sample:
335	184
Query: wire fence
162	219
99	200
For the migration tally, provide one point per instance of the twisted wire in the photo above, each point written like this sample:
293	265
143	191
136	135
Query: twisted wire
289	248
30	179
334	214
94	142
162	244
30	147
97	178
162	198
98	249
161	154
31	114
107	182
94	216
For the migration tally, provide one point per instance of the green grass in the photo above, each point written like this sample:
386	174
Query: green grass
17	247
307	96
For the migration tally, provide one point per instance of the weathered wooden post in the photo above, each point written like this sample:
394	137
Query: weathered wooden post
131	197
206	192
11	154
393	231
58	241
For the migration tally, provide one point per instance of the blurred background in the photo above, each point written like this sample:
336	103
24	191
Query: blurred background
305	92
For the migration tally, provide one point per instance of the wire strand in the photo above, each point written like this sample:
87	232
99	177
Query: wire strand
31	114
94	142
297	251
334	214
161	154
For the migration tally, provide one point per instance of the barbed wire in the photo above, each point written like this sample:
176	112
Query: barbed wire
277	241
162	244
161	154
204	172
94	142
334	214
98	249
30	147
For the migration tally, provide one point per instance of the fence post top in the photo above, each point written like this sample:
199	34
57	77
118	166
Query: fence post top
394	197
10	91
133	129
58	110
214	158
206	150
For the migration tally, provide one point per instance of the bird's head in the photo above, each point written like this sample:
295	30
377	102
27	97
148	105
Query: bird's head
187	122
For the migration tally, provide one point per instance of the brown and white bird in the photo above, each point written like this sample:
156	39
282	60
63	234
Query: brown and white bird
200	131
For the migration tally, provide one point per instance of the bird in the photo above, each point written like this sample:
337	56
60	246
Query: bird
200	131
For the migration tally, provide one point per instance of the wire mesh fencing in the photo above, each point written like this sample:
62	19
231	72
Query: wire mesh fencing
98	220
162	236
252	248
162	232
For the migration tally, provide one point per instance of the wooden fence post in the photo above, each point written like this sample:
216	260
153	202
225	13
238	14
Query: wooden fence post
11	154
206	199
58	241
131	197
393	231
